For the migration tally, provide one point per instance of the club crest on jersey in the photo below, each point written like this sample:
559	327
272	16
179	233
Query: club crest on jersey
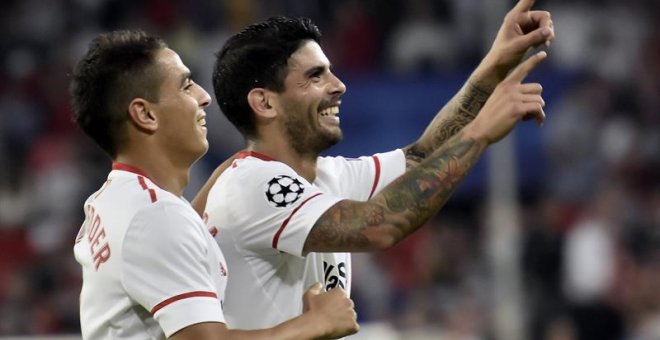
283	190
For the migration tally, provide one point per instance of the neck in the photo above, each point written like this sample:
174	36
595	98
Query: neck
303	164
167	175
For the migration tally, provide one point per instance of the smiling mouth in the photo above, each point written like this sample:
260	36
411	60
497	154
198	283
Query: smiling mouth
201	121
330	112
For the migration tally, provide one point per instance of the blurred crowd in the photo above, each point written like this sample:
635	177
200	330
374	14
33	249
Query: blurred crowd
589	223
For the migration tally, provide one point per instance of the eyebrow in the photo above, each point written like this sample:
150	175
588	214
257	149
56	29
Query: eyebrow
185	77
316	69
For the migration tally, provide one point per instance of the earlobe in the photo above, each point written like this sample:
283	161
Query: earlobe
142	115
260	100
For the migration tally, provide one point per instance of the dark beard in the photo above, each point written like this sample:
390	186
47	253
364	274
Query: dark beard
306	143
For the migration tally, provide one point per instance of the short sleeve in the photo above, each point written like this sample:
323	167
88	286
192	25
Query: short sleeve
166	267
267	207
361	178
390	165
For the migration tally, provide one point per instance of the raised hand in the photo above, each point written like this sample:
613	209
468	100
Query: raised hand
334	310
521	30
511	101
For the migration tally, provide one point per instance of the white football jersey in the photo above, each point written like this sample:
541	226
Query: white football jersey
262	211
150	267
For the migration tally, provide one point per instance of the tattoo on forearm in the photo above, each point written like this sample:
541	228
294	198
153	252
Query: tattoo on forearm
404	205
419	194
467	106
460	111
474	97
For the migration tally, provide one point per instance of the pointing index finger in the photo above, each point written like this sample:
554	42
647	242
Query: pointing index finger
524	5
522	70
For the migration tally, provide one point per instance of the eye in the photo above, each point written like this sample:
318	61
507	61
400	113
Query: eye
316	76
188	86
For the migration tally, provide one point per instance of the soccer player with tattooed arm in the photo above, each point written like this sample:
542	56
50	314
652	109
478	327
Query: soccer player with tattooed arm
285	216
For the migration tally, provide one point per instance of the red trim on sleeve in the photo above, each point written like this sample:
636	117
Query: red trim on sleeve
181	297
276	238
152	192
376	177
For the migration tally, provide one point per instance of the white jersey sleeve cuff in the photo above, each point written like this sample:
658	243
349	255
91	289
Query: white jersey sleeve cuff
187	312
392	165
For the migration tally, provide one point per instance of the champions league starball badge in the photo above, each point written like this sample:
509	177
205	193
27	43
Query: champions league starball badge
283	190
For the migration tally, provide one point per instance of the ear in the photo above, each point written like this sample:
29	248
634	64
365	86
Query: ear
260	100
142	116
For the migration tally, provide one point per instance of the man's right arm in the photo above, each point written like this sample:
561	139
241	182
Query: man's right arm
327	315
412	199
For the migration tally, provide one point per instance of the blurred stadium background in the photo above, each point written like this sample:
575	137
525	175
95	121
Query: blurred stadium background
554	235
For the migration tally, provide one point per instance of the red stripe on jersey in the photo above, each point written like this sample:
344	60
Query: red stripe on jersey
276	238
152	192
377	177
245	154
129	168
181	297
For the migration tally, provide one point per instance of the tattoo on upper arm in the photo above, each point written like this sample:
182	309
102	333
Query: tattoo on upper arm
332	232
403	206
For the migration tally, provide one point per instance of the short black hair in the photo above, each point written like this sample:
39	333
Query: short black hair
257	57
118	67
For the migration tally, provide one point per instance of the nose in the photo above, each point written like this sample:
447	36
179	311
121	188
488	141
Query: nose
204	98
337	87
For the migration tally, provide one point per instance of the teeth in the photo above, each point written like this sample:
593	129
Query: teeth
331	111
202	121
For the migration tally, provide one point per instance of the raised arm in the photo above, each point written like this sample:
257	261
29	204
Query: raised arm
408	202
521	30
328	315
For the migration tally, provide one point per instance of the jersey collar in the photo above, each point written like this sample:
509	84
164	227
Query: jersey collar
130	168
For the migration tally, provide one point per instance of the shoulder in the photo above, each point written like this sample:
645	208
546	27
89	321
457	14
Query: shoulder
247	175
164	226
337	165
337	161
167	211
253	165
132	189
161	212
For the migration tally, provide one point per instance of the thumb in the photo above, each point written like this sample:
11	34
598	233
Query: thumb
314	290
